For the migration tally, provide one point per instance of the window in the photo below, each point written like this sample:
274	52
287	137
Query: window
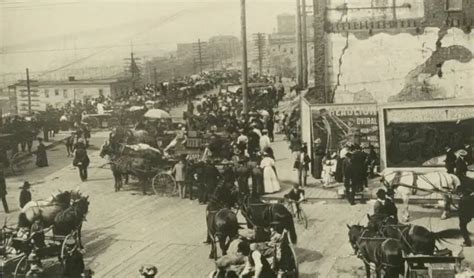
56	92
454	5
46	93
65	93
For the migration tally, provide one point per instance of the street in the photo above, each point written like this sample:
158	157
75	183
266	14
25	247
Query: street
126	229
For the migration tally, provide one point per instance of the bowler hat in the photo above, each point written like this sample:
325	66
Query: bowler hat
380	193
25	185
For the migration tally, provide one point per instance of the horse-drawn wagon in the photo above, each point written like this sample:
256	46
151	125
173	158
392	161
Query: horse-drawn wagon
421	266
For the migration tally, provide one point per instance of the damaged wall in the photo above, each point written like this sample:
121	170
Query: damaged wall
370	57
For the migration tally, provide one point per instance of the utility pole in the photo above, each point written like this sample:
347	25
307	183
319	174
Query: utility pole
200	55
244	58
299	50
304	45
155	76
260	45
28	89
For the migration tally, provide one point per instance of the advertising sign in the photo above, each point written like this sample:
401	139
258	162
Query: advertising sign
340	123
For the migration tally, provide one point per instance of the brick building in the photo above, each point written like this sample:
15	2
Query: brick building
380	50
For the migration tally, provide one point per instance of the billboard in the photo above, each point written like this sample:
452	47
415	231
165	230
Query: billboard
415	136
336	124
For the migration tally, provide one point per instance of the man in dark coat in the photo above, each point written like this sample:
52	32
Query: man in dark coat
243	174
25	194
319	154
41	157
3	191
461	165
360	171
81	160
450	161
348	170
211	178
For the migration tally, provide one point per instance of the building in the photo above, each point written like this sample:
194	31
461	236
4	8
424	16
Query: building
58	93
384	51
224	47
286	24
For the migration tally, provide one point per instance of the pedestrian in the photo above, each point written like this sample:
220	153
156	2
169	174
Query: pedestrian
3	191
461	164
243	174
329	169
360	171
81	161
70	145
264	140
348	171
41	157
450	160
302	165
257	176
270	179
148	271
25	194
74	266
319	153
178	171
372	161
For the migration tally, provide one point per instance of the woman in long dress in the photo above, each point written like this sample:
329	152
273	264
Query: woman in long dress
270	180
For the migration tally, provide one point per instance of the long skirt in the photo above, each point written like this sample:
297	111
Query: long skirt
270	180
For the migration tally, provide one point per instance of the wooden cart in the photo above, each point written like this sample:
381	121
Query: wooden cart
417	266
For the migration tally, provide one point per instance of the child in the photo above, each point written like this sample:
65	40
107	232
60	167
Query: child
178	172
25	194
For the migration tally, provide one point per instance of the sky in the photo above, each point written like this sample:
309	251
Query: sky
47	34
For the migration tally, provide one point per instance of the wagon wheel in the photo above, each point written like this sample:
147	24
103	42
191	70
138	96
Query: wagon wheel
163	184
22	267
18	163
302	218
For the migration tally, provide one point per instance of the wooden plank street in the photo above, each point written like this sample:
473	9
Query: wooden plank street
126	229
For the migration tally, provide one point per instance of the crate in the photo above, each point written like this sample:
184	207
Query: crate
442	270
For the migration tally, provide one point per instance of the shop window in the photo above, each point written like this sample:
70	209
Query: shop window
453	5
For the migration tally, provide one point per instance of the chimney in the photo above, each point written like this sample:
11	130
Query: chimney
72	78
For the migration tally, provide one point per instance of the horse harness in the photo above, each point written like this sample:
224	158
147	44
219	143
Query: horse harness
363	258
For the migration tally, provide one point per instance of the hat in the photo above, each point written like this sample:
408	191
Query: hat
148	270
380	193
317	141
461	152
25	185
70	242
32	257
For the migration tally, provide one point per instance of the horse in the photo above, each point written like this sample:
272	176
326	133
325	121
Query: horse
221	221
70	220
385	253
415	239
44	210
122	164
261	214
409	183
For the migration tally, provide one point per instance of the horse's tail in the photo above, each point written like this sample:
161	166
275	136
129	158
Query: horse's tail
23	220
290	226
448	233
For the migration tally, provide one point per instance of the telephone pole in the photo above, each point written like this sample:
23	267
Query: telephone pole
200	55
28	89
244	58
299	48
155	76
260	46
304	45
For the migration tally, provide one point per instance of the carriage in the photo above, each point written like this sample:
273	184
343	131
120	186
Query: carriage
10	156
445	266
17	249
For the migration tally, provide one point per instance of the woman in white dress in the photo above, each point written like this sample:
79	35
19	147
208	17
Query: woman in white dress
270	180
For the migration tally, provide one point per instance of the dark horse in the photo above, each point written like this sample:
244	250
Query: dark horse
415	239
385	253
221	221
260	214
71	219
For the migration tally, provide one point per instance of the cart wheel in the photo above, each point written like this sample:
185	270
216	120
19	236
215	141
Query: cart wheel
18	163
163	184
22	267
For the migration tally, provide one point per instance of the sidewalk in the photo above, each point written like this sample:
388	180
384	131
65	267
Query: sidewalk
314	190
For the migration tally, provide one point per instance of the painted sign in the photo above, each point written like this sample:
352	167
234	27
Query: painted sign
340	123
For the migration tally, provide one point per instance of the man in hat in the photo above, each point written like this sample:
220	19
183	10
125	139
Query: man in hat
348	172
70	144
319	154
380	211
450	161
461	165
25	194
360	168
3	191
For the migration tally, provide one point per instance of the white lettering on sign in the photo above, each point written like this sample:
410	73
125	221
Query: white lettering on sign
345	111
431	114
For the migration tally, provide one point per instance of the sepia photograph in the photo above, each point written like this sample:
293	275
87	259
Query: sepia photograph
236	138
